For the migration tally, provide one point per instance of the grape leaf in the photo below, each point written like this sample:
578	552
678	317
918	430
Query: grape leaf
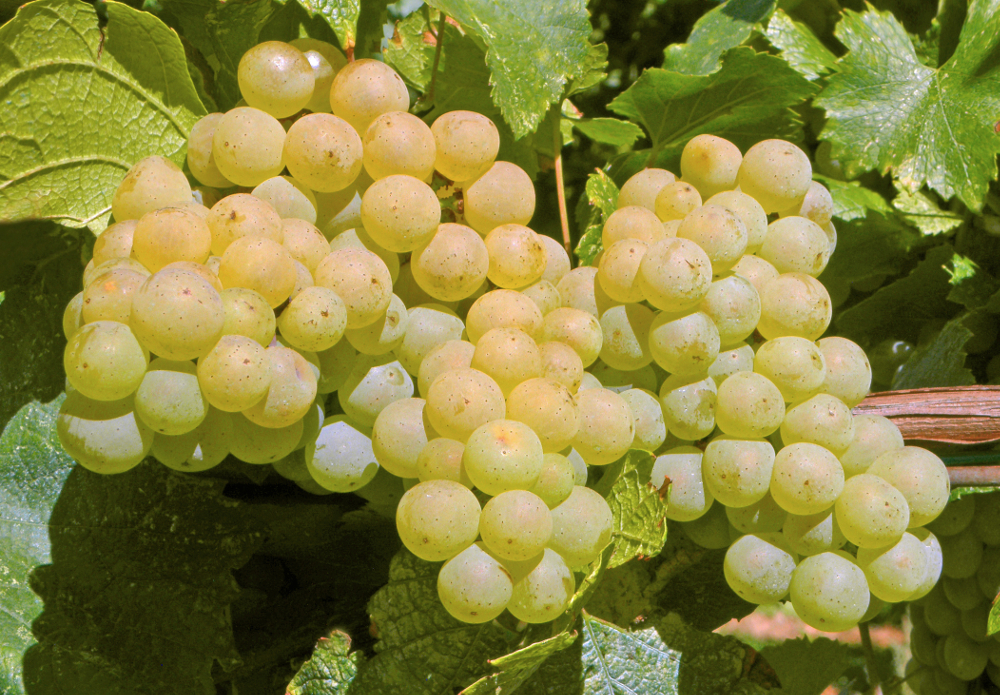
422	648
609	131
534	49
919	210
517	667
602	194
80	104
807	667
330	670
233	29
640	515
851	200
341	15
748	99
872	245
941	362
799	46
971	286
887	111
993	625
716	31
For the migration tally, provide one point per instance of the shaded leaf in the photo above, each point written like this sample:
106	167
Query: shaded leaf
993	626
602	194
609	131
889	112
517	667
799	46
341	15
873	245
807	667
971	286
331	669
716	31
81	104
592	72
851	200
233	29
925	214
941	362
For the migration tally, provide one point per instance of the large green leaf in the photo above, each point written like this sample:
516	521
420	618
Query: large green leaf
887	111
534	49
924	213
748	99
807	667
716	31
799	46
638	511
851	200
80	104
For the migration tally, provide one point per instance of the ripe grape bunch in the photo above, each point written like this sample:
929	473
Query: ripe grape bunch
312	259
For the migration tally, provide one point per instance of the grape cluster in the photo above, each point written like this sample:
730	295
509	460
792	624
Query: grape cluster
948	641
313	260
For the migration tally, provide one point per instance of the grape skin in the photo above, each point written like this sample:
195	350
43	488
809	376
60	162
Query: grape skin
581	527
438	519
104	361
516	525
473	586
688	496
341	458
247	146
152	183
688	405
829	592
276	77
102	436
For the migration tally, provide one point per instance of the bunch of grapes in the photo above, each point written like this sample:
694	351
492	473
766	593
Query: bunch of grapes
214	324
948	641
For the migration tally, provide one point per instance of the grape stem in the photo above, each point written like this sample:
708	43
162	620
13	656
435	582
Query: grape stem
560	186
872	666
429	97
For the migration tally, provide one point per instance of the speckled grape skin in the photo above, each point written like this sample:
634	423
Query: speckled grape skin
544	593
738	471
235	374
504	309
248	314
451	354
461	400
795	365
626	337
794	304
684	343
239	215
114	242
607	427
247	146
437	519
750	213
710	164
399	434
323	152
200	160
733	304
618	271
305	242
374	382
259	264
517	257
364	90
170	234
177	315
503	195
255	444
920	476
502	455
276	77
92	272
452	265
578	329
386	334
361	279
642	188
427	326
556	481
400	213
104	361
398	143
548	408
466	144
169	399
823	419
871	512
102	436
776	173
717	230
675	274
152	183
848	373
314	320
561	363
290	393
473	586
748	405
676	200
806	478
326	61
632	222
509	356
758	567
288	196
109	296
796	245
516	525
829	592
581	527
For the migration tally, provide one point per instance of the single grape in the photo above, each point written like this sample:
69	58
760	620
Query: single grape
152	183
466	144
73	315
581	527
557	263
438	519
361	280
795	365
871	512
365	89
399	143
323	152
461	400
794	304
400	212
749	211
547	407
200	160
326	61
806	478
102	436
543	293
676	200
556	481
776	173
811	534
503	195
763	516
650	428
452	264
315	319
169	399
578	290
796	245
829	592
401	431
738	471
276	77
114	242
939	615
755	269
963	593
235	374
758	567
515	525
822	420
964	658
618	272
249	314
289	197
509	356
576	328
749	405
684	343
516	256
451	354
642	188
607	427
202	448
341	459
383	336
304	242
710	164
962	554
848	374
473	586
358	238
374	382
259	264
240	215
719	232
104	361
543	594
247	146
441	459
817	205
733	304
502	455
675	274
561	363
108	297
922	478
626	337
896	571
687	497
170	234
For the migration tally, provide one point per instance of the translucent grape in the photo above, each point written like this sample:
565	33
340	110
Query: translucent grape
763	516
399	434
848	374
288	196
796	245
738	471
688	497
247	146
642	188
451	354
103	436
776	173
509	356
822	420
240	215
684	343
817	205
618	271
291	391
607	427
922	478
169	399
556	481
956	517
200	160
749	211
733	305
749	406
104	361
675	274
758	567
202	448
794	304
502	455
323	152
755	269
108	297
358	238
806	479
729	362
385	334
400	213
576	328
581	527
259	264
871	512
114	242
719	232
710	164
152	183
437	519
373	383
399	143
326	61
304	242
249	314
829	592
452	264
688	405
73	315
548	408
170	234
964	658
235	374
557	263
466	144
516	525
577	289
361	279
461	400
896	571
441	459
314	320
626	337
962	555
473	586
795	365
873	436
516	256
811	534
544	593
341	459
561	363
365	89
503	195
276	77
427	327
335	366
676	200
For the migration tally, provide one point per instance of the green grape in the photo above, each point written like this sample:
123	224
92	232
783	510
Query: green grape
829	592
452	264
986	522
758	567
304	242
935	563
291	391
341	459
561	363
169	399
438	519
650	428
473	586
374	382
776	173
277	78
871	512
108	297
729	362
794	304
399	143
152	183
964	658
688	497
607	427
546	406
543	293
822	420
335	366
749	211
848	374
939	615
626	337
199	153
311	423
326	61
73	315
581	527
796	245
618	272
177	314
811	534
795	365
170	234
676	200
199	269
400	433
956	517
358	238
451	354
289	198
817	205
383	336
509	356
361	279
240	215
755	269
502	455
588	382
247	146
503	195
114	242
963	593
675	274
400	212
719	232
738	471
962	554
543	594
466	144
642	188
516	256
806	478
202	448
427	327
748	405
248	313
922	642
922	478
763	516
896	571
711	530
441	459
710	164
516	525
104	361
733	305
102	436
684	343
576	328
259	264
340	210
323	152
633	222
293	467
578	289
556	481
314	319
365	89
975	622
